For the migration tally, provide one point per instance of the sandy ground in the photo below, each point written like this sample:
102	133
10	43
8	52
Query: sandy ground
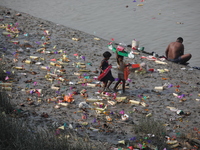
179	84
154	23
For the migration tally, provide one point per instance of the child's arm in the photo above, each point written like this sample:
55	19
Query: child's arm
100	67
117	56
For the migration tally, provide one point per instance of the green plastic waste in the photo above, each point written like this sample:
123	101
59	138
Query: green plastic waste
124	53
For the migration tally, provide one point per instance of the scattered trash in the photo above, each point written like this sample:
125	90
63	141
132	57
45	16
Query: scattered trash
140	4
55	64
97	39
76	39
125	117
179	23
160	62
159	88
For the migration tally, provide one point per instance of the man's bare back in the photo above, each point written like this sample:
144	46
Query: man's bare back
175	52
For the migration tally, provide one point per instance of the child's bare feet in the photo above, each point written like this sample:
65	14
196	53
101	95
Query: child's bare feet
115	90
107	89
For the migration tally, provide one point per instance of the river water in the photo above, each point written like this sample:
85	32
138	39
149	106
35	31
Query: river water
155	24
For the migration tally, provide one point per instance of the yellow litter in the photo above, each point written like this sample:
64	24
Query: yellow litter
62	127
144	104
94	129
92	100
120	99
19	68
75	39
6	84
160	62
55	87
28	61
8	33
134	102
112	102
7	88
44	67
83	70
63	104
108	118
34	57
91	84
96	38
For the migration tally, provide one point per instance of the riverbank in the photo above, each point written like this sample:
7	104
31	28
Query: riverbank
50	61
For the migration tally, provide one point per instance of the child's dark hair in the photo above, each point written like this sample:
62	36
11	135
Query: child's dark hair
119	56
107	54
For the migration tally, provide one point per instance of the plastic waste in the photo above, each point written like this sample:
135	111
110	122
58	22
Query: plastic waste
120	48
56	106
28	61
180	112
140	4
112	102
135	65
160	62
122	141
144	104
19	68
125	117
151	70
140	48
34	57
44	67
122	53
158	88
7	88
172	141
134	102
94	129
6	84
96	38
93	100
68	98
135	44
8	34
131	55
108	118
38	63
83	105
149	115
71	83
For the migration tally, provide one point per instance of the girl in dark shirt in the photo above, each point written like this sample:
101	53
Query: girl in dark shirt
108	77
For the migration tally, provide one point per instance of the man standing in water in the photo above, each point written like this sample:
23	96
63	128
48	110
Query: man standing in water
175	52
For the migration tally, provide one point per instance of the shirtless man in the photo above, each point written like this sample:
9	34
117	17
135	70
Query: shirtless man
175	52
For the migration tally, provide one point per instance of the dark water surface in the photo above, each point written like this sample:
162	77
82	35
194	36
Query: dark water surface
155	24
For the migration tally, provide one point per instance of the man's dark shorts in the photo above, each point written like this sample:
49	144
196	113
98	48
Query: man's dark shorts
177	60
